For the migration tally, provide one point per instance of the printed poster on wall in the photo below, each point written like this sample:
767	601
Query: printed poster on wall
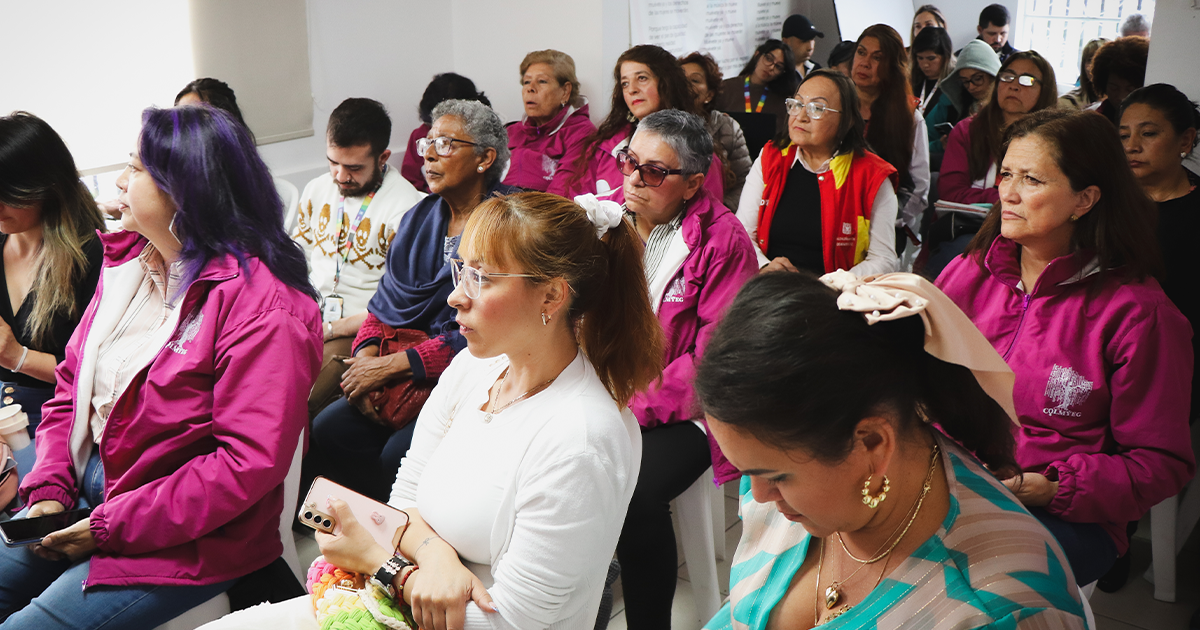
729	30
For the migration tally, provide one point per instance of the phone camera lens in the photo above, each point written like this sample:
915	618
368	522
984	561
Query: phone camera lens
327	522
308	516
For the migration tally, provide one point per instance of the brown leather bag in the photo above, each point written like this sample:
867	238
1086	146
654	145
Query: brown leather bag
400	401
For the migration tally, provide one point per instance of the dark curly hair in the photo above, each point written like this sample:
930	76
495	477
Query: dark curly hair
1124	57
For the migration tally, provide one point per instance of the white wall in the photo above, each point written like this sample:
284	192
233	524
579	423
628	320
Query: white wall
389	50
962	17
1174	47
380	49
492	57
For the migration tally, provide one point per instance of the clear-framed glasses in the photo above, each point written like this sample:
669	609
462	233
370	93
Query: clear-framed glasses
444	145
472	280
652	175
816	109
1024	80
979	79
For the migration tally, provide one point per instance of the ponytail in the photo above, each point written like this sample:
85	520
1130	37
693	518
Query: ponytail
551	237
620	333
950	394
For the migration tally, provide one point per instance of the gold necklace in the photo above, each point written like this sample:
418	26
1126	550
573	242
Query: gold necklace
833	593
846	607
487	417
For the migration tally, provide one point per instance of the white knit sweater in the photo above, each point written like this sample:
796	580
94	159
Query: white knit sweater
317	233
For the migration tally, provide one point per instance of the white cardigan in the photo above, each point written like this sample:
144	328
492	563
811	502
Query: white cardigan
534	500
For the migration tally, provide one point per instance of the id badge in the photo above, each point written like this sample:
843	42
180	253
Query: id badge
332	311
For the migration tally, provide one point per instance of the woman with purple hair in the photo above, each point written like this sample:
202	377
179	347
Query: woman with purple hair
182	397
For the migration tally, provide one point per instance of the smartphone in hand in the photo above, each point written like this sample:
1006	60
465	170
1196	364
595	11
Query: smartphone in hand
384	522
27	531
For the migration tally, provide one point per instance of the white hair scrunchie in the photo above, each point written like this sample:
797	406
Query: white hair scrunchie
603	214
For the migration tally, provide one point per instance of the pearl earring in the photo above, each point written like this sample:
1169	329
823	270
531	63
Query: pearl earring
480	169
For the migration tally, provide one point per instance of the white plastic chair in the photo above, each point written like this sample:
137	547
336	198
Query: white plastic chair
291	202
218	606
701	511
1171	523
1085	593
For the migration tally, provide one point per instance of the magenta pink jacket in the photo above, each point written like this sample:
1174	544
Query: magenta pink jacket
196	449
1103	384
410	166
605	180
955	183
543	157
704	267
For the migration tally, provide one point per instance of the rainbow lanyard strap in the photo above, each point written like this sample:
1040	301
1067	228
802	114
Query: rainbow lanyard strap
344	250
761	101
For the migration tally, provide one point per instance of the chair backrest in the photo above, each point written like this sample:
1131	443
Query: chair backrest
291	202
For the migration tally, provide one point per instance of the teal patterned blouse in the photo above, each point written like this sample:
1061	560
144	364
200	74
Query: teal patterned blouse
990	565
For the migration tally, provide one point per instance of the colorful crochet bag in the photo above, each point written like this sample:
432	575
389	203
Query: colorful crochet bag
344	600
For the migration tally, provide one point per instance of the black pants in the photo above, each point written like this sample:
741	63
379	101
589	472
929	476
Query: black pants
350	449
673	457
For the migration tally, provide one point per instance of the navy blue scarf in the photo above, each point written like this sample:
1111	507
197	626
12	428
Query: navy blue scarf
416	280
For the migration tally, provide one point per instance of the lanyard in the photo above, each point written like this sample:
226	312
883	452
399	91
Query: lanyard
926	94
344	252
762	100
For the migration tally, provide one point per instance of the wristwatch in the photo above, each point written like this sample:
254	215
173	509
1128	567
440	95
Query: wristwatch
387	573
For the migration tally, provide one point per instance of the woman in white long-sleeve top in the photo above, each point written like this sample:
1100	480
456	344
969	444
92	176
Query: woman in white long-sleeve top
526	454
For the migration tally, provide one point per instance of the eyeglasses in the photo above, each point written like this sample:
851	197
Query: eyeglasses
978	80
652	175
471	279
816	109
1026	80
777	66
444	145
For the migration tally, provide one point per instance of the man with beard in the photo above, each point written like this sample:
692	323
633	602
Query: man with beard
345	222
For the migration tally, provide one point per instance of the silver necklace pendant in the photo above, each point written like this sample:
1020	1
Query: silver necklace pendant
487	418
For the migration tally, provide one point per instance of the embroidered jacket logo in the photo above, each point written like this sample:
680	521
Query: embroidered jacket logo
676	290
1068	388
187	334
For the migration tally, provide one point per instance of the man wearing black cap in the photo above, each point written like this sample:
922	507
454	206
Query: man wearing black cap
801	36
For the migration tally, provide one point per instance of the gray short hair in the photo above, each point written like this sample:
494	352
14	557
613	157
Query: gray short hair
485	129
686	135
1134	24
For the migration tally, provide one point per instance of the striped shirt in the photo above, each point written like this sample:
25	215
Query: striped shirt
659	241
141	333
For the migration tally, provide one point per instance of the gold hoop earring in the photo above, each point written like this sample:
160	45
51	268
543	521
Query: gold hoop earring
545	319
874	501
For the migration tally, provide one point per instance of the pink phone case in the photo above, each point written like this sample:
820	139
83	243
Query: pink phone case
384	522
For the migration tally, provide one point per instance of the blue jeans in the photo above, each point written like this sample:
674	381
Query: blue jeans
1090	550
44	594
